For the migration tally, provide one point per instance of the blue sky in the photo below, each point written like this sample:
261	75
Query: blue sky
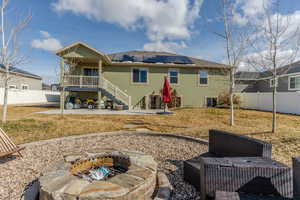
182	26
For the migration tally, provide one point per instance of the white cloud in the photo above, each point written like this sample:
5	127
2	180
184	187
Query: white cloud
248	10
164	46
45	34
163	20
47	43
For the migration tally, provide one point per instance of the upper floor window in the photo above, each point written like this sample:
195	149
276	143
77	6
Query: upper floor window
173	76
294	83
203	78
139	75
90	72
25	87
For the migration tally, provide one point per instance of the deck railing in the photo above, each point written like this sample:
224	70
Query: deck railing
93	82
81	81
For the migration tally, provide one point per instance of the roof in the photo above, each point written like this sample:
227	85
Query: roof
21	72
149	58
162	58
245	75
285	70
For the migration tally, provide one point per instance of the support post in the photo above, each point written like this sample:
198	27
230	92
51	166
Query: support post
129	103
99	83
62	90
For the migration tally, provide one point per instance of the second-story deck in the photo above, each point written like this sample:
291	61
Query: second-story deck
96	83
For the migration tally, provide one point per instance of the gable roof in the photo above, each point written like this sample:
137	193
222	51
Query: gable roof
20	72
163	58
64	50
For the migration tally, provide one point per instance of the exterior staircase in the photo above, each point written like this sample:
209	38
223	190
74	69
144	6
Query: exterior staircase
107	88
115	94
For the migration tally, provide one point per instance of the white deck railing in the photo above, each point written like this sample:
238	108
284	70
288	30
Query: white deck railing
93	82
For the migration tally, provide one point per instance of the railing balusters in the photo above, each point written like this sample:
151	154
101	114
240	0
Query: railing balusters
92	81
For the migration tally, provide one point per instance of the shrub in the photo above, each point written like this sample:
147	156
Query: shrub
224	99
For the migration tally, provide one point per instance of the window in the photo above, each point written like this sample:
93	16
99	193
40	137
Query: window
273	83
203	78
12	87
211	102
90	72
173	76
139	75
294	83
24	87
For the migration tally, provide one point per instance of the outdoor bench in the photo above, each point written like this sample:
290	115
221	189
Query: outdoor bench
225	144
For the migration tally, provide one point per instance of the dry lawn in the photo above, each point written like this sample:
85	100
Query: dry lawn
26	126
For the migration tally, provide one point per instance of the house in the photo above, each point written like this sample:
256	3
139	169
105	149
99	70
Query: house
135	78
288	80
54	87
46	86
21	79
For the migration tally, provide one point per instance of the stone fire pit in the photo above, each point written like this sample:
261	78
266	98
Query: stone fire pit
137	181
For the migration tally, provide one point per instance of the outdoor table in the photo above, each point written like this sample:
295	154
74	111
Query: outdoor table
249	175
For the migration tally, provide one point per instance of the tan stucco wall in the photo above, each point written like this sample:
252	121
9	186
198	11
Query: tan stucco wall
193	94
18	80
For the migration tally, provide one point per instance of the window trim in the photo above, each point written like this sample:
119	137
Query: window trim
198	77
178	72
140	83
289	83
24	85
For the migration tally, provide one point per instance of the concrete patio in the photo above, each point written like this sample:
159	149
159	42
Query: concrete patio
101	112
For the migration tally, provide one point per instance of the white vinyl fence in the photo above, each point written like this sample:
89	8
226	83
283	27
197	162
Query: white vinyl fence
16	96
287	102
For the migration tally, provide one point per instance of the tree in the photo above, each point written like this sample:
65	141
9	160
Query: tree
274	45
10	55
236	42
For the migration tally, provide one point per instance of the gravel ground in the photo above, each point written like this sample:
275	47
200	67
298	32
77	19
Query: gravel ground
16	173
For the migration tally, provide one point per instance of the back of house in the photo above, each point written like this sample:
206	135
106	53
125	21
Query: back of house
135	78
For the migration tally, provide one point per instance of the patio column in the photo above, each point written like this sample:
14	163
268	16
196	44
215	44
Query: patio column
99	83
62	90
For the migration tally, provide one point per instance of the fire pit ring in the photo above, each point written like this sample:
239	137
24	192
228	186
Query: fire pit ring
136	181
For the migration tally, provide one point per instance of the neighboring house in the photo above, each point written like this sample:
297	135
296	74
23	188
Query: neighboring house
55	87
130	77
288	80
20	79
46	86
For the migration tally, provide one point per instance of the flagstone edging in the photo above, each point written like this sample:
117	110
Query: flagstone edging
144	133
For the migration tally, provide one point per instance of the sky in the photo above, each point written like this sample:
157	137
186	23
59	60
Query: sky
186	27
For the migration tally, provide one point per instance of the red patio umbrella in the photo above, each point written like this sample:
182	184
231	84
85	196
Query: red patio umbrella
166	92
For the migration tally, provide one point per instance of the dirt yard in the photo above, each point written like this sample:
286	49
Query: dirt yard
26	126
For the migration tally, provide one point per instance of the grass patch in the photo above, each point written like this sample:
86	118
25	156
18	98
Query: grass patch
24	125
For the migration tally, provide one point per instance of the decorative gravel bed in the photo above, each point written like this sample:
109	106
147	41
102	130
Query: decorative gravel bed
169	152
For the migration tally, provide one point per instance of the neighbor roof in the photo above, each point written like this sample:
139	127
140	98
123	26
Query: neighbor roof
162	58
21	72
288	69
245	75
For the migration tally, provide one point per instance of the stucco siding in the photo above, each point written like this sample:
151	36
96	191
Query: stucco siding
192	93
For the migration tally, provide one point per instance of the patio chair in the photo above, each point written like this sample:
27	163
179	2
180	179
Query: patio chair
225	144
7	147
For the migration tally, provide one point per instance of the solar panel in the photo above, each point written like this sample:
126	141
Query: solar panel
152	59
